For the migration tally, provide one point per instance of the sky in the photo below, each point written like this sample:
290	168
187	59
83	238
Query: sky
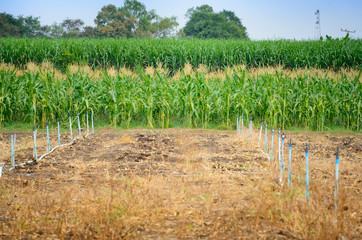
264	19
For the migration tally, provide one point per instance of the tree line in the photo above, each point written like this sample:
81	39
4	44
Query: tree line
131	20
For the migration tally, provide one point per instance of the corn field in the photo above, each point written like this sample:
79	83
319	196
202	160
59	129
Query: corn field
175	53
193	99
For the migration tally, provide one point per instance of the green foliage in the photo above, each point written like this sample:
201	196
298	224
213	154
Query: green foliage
175	53
205	23
128	21
72	27
132	20
359	52
155	101
19	26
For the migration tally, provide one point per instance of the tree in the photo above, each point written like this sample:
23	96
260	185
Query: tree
56	31
164	27
89	32
203	8
19	26
118	29
72	27
205	23
29	26
108	14
133	20
9	25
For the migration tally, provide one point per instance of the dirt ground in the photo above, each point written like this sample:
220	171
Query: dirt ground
180	184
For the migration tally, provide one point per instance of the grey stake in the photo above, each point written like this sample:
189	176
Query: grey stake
48	141
80	131
261	129
266	137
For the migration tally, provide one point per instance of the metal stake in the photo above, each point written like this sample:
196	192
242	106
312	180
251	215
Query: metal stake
336	187
279	132
271	148
12	147
290	161
48	141
70	127
80	131
261	128
58	132
306	149
237	124
87	124
35	150
251	125
242	125
282	158
1	168
266	137
92	122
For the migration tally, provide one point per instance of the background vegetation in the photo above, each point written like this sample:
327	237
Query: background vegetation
196	99
132	20
173	54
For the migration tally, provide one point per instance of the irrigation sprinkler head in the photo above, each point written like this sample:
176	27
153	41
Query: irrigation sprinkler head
262	123
283	136
47	123
306	147
291	143
251	118
273	130
337	152
77	114
34	128
279	131
266	125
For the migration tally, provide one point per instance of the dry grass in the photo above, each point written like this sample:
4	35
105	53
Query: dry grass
219	189
187	70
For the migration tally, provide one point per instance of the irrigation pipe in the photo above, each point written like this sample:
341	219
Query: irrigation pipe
13	166
66	144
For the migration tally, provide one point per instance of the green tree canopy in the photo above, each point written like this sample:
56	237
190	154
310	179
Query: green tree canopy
19	26
73	27
205	23
133	20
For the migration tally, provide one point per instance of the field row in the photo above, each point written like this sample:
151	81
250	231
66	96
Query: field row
175	53
193	99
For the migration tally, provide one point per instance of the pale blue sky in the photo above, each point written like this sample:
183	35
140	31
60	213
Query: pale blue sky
289	19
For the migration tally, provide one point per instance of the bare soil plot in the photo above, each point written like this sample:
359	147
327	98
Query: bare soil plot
175	183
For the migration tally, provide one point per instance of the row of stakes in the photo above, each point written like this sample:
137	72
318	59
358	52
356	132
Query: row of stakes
35	152
282	137
240	120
